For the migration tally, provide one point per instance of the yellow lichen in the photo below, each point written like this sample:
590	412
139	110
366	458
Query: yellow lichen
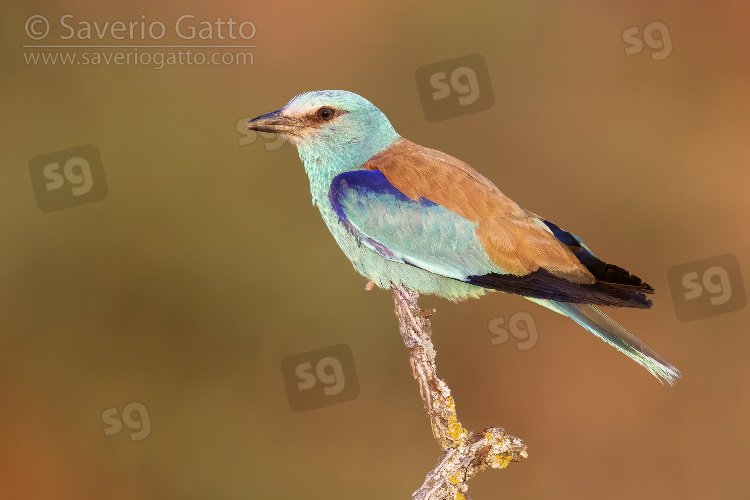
456	432
501	461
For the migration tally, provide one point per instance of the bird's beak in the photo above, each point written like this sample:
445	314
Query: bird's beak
274	122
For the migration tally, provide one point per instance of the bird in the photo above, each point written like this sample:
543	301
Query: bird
413	217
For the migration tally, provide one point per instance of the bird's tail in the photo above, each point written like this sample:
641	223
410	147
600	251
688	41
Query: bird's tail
598	323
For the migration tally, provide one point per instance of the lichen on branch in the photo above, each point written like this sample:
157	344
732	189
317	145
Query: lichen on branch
465	453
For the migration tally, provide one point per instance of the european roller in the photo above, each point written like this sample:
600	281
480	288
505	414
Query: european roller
408	216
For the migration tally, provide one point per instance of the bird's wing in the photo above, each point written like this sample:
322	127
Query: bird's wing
424	208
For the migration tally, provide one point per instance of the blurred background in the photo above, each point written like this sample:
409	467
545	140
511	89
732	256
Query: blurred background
142	333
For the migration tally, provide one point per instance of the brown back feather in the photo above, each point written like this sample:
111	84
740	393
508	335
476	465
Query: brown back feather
511	238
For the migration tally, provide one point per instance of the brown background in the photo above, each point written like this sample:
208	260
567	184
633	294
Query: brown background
206	264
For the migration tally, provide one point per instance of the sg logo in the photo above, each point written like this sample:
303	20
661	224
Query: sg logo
455	88
526	335
67	178
140	426
271	141
324	377
463	81
707	287
661	47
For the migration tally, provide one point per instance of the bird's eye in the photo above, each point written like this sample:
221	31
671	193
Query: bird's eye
325	113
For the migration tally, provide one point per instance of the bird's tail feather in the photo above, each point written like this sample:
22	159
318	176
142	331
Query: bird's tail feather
598	323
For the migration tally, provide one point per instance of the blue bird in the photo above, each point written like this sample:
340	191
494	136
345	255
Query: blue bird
408	216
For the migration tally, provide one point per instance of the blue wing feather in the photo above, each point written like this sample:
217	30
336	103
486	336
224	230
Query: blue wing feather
427	235
417	232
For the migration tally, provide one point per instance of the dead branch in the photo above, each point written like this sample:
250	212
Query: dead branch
466	453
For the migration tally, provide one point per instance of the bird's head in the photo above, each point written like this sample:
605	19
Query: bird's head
330	126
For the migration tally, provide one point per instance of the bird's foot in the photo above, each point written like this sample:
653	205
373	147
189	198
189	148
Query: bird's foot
369	286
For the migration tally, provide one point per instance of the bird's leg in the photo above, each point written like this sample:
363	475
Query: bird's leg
466	453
